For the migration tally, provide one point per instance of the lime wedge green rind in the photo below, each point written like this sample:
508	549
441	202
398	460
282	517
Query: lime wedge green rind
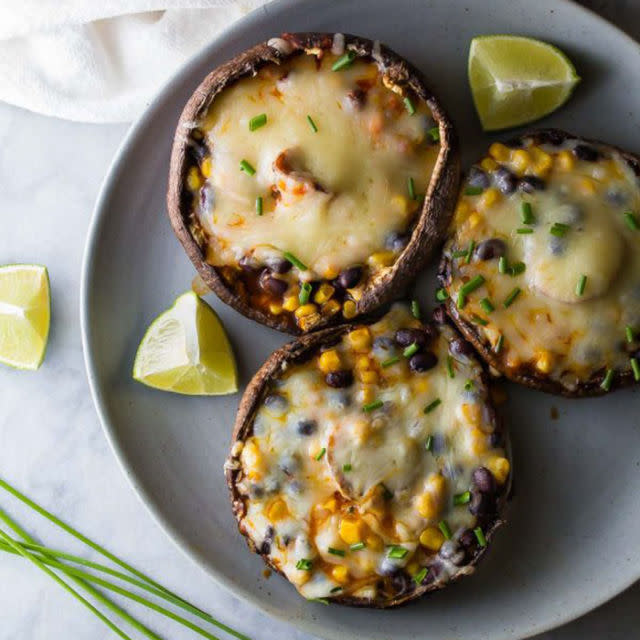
25	315
515	80
186	350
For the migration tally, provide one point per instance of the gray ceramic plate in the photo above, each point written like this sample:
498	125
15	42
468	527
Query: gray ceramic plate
572	540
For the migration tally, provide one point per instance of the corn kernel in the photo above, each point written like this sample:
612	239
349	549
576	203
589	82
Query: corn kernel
324	293
520	161
400	204
291	303
275	309
363	363
488	198
479	441
381	259
205	167
368	377
427	506
361	431
489	164
421	385
462	210
565	161
330	505
437	484
474	220
306	310
330	308
350	530
329	361
356	292
499	467
432	538
472	413
542	161
278	510
360	339
308	322
368	394
194	179
340	573
413	568
499	152
544	362
330	273
587	186
374	542
349	309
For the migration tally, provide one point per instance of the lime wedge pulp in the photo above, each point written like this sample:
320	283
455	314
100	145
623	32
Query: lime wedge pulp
25	313
515	80
186	350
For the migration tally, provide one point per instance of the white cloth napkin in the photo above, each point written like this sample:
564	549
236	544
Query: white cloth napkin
101	60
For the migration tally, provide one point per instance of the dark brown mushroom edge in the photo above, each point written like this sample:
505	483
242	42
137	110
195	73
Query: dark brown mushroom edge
542	268
368	465
311	178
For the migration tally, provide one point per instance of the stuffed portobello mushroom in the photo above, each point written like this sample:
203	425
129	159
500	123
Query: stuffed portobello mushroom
311	178
368	465
542	268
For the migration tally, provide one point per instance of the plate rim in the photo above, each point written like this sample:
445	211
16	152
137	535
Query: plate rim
98	395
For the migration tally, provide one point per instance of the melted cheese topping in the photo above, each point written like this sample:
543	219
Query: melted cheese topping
580	285
345	500
339	191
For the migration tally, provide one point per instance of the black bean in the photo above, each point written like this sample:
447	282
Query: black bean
529	184
513	143
439	315
478	178
460	347
552	137
467	538
451	551
482	504
339	379
357	97
586	152
402	583
396	241
256	491
405	337
496	439
279	265
350	277
483	480
491	249
438	444
247	264
505	180
276	402
307	427
274	286
421	362
557	245
265	547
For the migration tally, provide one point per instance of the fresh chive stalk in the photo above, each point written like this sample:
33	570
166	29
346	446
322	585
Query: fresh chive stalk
259	205
517	268
511	298
442	295
415	309
472	246
502	265
462	498
397	552
428	443
482	541
461	300
247	168
473	191
429	408
479	320
409	106
347	467
257	121
628	330
631	220
312	124
357	546
410	350
372	406
411	188
487	305
499	343
582	283
475	283
305	293
450	370
434	134
337	552
635	367
559	229
320	454
527	216
443	525
304	564
390	361
420	576
607	381
295	261
524	231
344	61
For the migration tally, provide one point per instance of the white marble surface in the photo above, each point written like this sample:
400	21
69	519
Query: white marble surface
51	444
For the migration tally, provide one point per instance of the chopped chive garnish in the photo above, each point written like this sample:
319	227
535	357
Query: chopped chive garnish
511	298
462	498
409	105
357	546
479	319
321	453
430	407
443	525
390	361
473	191
460	253
632	221
305	293
344	61
635	367
415	309
337	552
247	168
473	284
502	265
450	370
499	343
312	124
517	268
346	467
294	261
420	576
472	246
608	379
442	295
386	493
410	350
461	300
319	600
335	589
559	229
527	216
304	564
428	443
487	305
397	552
629	333
523	231
259	205
434	134
411	188
582	283
468	385
482	541
257	121
372	406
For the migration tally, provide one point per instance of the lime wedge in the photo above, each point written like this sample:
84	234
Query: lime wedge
25	311
186	350
515	80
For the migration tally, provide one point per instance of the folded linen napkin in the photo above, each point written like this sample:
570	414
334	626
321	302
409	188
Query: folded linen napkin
101	60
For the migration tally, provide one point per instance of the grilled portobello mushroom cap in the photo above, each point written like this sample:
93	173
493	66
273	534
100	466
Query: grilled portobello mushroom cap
542	266
368	464
311	178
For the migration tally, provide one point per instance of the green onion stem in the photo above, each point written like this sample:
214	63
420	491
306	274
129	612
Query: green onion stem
473	284
410	350
443	525
479	533
257	121
607	381
512	297
434	134
628	330
295	261
632	221
390	361
305	293
344	61
411	188
312	124
247	168
527	216
635	367
415	309
409	106
487	305
582	283
259	205
502	265
430	407
473	191
442	295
